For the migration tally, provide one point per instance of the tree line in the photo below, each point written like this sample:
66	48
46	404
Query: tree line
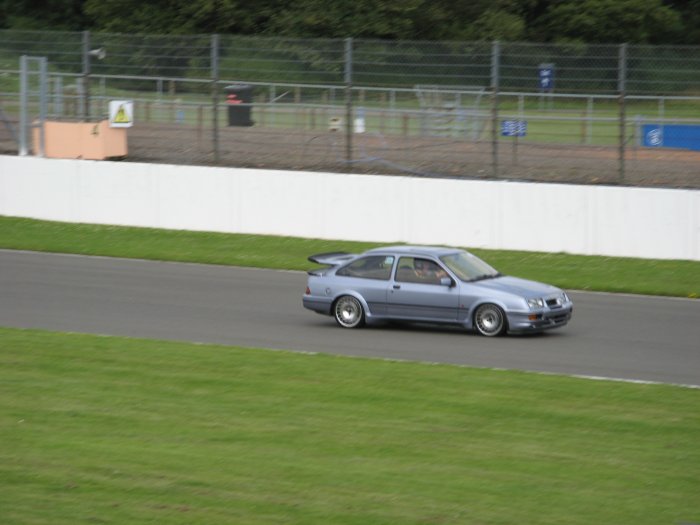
655	22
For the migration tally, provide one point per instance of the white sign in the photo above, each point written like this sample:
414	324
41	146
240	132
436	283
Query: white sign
655	137
360	120
121	113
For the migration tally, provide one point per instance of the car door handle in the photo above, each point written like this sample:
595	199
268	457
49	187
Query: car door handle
397	287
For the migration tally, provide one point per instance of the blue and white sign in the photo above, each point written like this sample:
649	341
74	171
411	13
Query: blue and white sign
654	137
681	136
546	76
514	128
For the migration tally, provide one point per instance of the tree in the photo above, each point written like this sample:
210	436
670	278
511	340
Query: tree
180	16
610	21
38	15
689	11
472	20
587	21
498	25
345	18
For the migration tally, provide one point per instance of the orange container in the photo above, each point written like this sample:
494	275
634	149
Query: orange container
81	140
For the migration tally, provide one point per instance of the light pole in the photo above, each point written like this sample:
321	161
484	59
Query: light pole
88	54
98	53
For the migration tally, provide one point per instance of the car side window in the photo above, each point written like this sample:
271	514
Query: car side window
372	267
418	270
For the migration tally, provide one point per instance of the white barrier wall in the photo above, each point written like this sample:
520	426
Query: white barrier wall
593	220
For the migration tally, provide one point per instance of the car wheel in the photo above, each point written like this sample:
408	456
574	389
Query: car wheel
348	312
490	320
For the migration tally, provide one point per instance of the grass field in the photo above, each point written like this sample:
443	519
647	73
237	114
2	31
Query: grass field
612	274
112	430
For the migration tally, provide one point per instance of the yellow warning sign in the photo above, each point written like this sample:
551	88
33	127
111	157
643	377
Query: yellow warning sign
121	113
121	117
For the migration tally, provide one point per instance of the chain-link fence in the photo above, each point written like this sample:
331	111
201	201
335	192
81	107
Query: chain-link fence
610	114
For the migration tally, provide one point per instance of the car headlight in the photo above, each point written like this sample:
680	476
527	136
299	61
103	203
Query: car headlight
535	303
565	297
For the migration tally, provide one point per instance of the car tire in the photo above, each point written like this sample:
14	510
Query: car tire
490	320
348	312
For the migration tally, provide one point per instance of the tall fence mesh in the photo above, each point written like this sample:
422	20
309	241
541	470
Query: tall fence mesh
606	114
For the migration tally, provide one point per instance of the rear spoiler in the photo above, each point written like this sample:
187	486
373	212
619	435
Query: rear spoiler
331	258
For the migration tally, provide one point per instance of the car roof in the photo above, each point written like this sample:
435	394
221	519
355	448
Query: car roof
435	251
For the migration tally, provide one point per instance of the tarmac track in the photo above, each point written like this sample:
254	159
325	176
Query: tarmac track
613	336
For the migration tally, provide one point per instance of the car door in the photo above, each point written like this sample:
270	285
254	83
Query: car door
469	296
415	294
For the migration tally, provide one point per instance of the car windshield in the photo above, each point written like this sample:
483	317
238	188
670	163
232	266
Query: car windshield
469	267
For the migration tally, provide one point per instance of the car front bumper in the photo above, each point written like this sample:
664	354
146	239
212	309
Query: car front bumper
532	322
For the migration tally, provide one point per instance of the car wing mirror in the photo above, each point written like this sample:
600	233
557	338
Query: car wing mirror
447	281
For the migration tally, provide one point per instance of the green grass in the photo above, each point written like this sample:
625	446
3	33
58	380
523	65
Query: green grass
113	430
612	274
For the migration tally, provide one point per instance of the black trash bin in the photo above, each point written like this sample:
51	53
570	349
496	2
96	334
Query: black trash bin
239	99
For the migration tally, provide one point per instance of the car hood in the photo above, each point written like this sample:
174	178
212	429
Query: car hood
517	286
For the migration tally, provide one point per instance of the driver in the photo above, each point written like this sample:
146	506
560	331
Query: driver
428	271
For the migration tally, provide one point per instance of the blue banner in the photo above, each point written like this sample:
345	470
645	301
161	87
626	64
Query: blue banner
514	128
546	76
684	136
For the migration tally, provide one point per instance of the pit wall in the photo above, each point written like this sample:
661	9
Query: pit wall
589	220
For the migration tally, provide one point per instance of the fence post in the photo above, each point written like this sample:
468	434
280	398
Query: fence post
43	104
589	120
621	88
348	101
23	109
86	76
495	70
200	125
215	94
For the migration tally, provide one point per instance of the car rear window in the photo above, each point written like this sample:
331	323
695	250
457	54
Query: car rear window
371	267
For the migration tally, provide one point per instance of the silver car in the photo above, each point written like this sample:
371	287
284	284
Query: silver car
434	285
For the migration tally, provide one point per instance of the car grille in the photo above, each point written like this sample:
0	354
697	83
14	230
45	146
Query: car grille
559	318
556	301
